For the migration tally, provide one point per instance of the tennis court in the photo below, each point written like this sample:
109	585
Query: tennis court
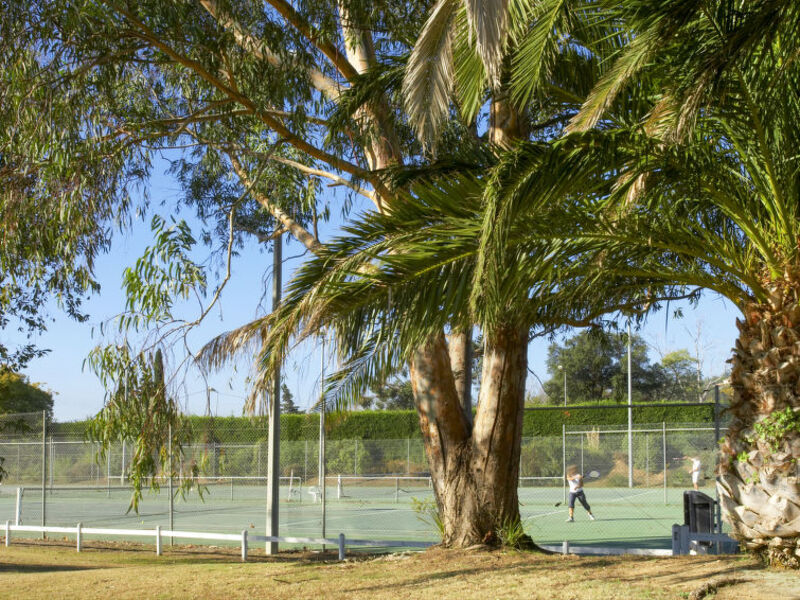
377	508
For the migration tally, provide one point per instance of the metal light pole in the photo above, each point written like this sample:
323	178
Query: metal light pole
322	474
273	451
630	413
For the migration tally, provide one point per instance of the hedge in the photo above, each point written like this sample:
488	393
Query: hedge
392	425
549	421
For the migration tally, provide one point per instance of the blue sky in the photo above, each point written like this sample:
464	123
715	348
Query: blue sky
79	393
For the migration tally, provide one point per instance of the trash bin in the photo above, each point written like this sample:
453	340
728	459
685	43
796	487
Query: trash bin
698	514
698	511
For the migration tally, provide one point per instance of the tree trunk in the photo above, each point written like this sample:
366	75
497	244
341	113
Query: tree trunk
475	469
459	346
475	473
759	470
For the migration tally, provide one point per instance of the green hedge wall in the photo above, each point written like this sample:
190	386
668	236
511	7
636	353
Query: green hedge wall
401	424
549	421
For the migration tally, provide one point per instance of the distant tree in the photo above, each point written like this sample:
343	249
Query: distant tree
596	368
393	395
288	407
19	395
679	372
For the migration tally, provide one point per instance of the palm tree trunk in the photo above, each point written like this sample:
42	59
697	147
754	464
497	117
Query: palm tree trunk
759	471
475	471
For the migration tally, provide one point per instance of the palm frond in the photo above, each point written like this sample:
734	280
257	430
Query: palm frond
428	79
488	22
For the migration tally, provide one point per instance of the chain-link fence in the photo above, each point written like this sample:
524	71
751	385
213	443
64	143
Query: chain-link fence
372	488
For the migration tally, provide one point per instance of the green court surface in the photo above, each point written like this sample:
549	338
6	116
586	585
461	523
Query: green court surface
629	518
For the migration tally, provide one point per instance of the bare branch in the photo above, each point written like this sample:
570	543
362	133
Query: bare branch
327	175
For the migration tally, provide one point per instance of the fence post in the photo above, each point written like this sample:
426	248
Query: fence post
78	537
341	546
664	455
323	466
565	547
676	540
108	471
684	539
44	472
171	492
581	454
564	459
18	509
408	456
355	459
396	490
8	533
122	472
717	508
244	545
51	462
158	540
646	459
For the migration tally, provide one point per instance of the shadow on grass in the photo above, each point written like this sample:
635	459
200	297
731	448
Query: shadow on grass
567	567
29	568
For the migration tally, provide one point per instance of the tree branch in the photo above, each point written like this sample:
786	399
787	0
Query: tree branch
339	61
292	226
146	34
324	84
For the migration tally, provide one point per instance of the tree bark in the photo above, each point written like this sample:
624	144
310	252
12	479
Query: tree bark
475	468
475	474
759	469
460	350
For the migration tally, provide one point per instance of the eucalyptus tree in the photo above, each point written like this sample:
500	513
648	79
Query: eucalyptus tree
251	101
261	97
56	198
390	287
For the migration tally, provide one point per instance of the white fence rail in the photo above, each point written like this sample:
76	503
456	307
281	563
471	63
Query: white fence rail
242	538
685	541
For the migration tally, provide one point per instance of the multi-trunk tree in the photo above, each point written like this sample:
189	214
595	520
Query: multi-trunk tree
706	194
259	104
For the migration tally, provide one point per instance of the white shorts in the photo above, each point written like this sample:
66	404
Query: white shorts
696	477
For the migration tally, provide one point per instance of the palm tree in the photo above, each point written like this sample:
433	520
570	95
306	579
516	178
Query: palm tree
706	193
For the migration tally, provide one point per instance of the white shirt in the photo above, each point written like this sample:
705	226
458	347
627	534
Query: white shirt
575	483
695	465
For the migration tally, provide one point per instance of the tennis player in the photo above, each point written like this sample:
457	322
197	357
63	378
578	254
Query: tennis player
575	481
695	470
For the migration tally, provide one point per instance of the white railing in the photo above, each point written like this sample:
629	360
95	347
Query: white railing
242	538
684	541
567	548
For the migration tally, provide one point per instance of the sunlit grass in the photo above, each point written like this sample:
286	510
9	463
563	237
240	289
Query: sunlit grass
130	571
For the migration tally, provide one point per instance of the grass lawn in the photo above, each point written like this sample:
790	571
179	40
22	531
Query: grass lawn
54	570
